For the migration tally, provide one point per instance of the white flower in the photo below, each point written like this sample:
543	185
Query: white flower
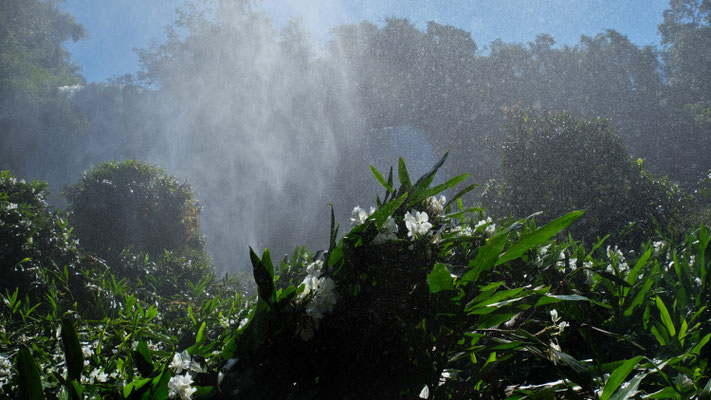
5	366
683	381
463	230
183	361
11	206
615	254
658	247
561	260
181	385
387	233
87	352
359	216
489	226
324	299
434	206
554	316
96	376
417	224
543	250
315	268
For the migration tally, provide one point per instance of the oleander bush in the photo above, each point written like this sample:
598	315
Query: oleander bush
554	163
422	298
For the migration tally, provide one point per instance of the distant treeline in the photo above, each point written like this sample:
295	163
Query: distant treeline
243	110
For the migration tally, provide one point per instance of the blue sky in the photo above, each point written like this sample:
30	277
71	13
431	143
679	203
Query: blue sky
117	27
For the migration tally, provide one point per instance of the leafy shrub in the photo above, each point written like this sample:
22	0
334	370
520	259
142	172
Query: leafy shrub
133	205
37	248
555	163
421	298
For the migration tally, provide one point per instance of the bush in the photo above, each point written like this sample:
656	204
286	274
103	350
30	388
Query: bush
422	298
132	205
37	250
555	163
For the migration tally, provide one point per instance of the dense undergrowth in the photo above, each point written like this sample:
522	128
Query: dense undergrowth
422	298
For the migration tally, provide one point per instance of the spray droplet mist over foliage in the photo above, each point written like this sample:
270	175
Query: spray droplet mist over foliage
269	125
537	225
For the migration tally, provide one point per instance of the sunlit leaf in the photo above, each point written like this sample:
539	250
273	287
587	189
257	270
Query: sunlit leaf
618	376
666	318
538	237
439	279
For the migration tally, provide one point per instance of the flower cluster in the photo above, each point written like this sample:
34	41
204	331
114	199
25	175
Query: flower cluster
417	224
435	206
5	372
322	293
487	225
387	233
360	216
180	386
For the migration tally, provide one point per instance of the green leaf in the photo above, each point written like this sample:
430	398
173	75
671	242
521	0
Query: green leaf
381	215
72	351
665	394
556	298
200	337
402	175
634	272
437	189
618	376
485	258
263	276
539	236
660	338
631	388
462	193
333	232
666	318
697	349
142	358
439	279
424	182
495	298
29	377
380	179
639	298
705	393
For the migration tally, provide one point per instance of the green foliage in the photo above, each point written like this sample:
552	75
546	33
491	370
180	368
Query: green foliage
133	205
555	163
38	252
448	306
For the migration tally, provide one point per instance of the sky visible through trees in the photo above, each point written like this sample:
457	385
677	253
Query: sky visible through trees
255	114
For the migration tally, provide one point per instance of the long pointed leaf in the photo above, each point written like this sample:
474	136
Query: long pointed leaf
379	178
618	376
539	236
666	317
402	174
263	276
72	350
29	377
